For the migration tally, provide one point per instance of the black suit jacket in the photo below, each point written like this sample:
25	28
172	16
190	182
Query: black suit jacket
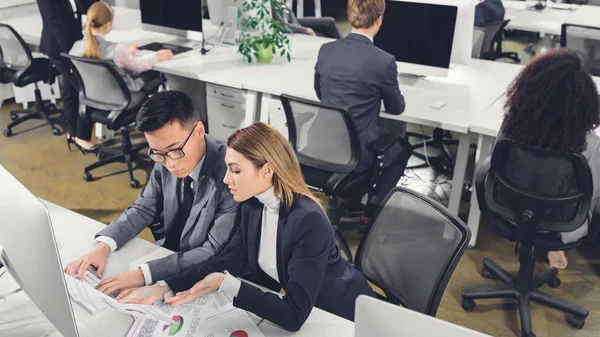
308	262
61	28
354	74
488	11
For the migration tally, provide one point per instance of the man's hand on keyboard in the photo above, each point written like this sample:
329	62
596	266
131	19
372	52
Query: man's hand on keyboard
119	282
143	295
96	258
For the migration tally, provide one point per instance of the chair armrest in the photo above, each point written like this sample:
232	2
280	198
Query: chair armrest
385	142
152	85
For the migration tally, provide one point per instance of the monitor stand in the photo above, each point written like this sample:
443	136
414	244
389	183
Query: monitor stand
4	260
182	41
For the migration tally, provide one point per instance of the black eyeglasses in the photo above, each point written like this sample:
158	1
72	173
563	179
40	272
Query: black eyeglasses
173	154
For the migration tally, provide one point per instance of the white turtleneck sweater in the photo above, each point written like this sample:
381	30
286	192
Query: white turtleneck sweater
267	251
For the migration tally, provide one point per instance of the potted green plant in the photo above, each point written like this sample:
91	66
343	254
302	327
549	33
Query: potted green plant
263	36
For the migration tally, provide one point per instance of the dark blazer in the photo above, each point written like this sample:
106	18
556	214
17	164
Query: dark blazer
207	229
489	11
354	74
60	27
308	262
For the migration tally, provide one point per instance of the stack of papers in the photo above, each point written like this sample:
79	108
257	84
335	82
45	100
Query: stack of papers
212	315
83	292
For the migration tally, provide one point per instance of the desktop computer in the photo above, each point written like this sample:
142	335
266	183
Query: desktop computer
181	18
426	36
224	14
28	250
375	317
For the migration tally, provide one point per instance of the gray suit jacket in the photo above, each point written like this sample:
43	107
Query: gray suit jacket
208	227
354	74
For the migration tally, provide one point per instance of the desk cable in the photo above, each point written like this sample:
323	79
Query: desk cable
203	50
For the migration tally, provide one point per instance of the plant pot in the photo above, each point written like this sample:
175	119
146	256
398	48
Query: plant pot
265	54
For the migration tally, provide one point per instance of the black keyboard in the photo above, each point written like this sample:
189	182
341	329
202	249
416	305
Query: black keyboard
156	46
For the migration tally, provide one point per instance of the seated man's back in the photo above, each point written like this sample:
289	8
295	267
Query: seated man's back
352	73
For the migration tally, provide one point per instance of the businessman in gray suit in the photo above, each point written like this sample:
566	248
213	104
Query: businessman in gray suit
185	192
354	74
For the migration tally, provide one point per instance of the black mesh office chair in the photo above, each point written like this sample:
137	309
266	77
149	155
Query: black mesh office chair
586	42
412	249
326	143
492	45
528	196
18	67
105	99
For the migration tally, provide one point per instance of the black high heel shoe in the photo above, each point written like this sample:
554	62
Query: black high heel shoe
71	140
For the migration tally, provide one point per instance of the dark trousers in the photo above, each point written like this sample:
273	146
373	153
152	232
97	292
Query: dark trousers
76	126
388	179
325	27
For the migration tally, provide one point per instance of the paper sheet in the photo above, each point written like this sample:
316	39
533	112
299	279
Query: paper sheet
213	315
83	292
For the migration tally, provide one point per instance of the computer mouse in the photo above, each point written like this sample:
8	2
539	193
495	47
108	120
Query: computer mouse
437	104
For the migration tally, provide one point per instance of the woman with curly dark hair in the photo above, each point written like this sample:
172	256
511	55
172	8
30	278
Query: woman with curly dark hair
553	104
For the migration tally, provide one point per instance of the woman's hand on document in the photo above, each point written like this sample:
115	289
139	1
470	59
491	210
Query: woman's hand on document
210	283
143	295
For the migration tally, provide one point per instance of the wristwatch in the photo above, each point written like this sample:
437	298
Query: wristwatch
162	283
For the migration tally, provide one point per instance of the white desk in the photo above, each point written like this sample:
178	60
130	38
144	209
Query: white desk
548	21
19	317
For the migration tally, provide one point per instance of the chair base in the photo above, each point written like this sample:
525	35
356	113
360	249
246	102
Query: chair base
443	162
127	154
523	289
42	111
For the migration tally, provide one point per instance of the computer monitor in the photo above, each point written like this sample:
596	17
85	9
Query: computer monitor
419	35
28	250
224	14
375	317
175	17
426	36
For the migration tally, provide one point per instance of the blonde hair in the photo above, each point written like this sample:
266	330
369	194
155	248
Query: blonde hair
261	143
364	13
98	15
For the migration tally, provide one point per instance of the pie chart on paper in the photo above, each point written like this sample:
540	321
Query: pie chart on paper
239	333
175	327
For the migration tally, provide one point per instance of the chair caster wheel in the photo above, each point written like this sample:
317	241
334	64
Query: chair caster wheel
14	117
553	282
7	132
576	322
134	183
56	132
468	304
87	176
486	273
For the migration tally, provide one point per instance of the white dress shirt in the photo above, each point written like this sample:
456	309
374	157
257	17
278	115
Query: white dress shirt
195	175
267	251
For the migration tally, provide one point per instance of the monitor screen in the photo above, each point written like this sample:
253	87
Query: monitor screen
175	14
418	33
